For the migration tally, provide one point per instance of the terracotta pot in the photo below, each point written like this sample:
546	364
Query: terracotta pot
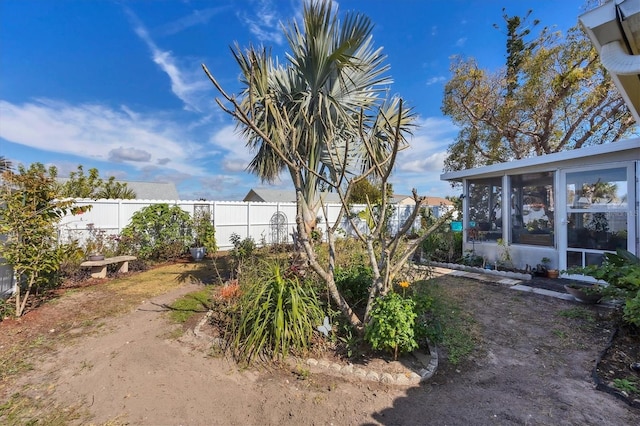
553	273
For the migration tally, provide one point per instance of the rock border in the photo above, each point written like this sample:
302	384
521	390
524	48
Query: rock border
411	377
429	363
501	274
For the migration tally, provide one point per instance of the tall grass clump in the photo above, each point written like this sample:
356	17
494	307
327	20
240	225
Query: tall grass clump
278	313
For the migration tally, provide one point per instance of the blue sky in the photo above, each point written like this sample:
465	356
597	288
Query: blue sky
118	85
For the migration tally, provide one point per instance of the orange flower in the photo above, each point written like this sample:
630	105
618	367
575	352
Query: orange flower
404	284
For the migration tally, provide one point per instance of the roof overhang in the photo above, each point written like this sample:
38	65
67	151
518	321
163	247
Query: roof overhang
629	150
614	29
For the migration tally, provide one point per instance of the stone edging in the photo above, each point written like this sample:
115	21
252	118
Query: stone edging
429	362
503	274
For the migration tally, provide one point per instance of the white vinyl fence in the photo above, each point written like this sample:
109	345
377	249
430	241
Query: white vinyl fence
266	223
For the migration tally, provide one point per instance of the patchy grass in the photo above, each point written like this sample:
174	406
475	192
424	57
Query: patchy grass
77	312
451	327
198	302
21	409
578	313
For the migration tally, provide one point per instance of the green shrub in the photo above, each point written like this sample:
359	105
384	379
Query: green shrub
278	313
621	270
443	246
241	251
204	233
392	324
353	282
157	232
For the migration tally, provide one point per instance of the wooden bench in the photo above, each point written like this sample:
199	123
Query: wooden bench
99	267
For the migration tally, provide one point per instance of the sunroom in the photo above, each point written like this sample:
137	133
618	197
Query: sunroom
570	207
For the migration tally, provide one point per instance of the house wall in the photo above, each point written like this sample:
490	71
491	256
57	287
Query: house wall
523	255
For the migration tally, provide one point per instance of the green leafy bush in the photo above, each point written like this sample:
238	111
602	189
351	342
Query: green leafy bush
353	282
392	324
157	232
278	313
204	233
241	251
621	270
29	215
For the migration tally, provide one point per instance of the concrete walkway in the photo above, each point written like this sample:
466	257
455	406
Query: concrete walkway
512	283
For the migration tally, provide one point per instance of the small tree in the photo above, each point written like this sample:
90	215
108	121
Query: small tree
29	214
92	185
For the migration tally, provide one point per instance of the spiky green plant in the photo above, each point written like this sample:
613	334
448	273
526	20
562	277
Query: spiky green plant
278	313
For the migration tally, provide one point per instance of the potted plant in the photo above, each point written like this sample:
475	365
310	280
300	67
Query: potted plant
204	239
542	268
585	293
549	271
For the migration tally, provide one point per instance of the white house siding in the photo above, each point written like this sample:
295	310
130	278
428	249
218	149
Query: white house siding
616	154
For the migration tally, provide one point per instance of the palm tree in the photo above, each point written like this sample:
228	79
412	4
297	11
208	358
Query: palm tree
112	189
309	115
325	118
5	165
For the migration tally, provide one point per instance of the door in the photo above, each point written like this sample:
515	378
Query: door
598	216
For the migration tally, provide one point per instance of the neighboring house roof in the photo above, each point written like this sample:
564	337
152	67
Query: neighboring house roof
154	190
428	201
282	196
148	190
614	30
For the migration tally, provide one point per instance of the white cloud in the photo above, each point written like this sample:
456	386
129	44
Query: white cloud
264	22
229	140
197	17
188	87
430	163
461	42
122	154
435	80
420	165
98	132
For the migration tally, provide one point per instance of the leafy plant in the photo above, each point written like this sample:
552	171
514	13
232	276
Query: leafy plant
28	218
621	270
278	313
241	251
353	281
470	258
158	232
204	233
626	385
392	325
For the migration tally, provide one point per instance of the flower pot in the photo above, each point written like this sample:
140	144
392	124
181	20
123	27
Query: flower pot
197	253
95	257
584	294
553	273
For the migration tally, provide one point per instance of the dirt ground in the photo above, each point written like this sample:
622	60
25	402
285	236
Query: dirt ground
533	367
